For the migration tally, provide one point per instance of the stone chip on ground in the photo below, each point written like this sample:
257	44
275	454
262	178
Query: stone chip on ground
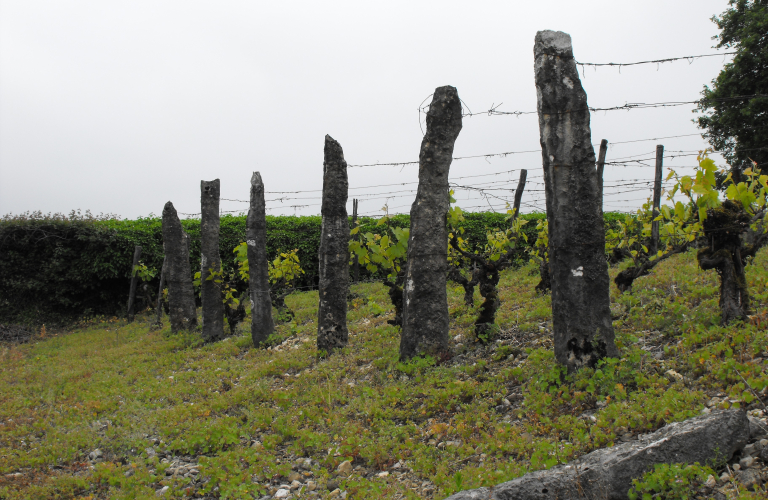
749	478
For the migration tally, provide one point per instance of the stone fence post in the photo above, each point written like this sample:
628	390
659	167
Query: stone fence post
425	299
262	325
213	307
581	314
334	251
181	292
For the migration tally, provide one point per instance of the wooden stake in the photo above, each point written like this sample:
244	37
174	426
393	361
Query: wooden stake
657	199
134	281
600	168
355	260
519	195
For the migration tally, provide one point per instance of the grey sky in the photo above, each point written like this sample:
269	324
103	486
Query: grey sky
121	106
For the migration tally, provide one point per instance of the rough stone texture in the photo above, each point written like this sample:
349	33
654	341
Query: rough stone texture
581	315
212	305
181	293
425	308
608	473
262	325
334	251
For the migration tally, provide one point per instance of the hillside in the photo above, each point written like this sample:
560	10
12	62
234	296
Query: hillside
112	410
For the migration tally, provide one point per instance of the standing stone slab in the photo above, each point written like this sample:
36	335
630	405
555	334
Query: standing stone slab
262	325
425	308
213	307
334	251
607	474
581	315
181	293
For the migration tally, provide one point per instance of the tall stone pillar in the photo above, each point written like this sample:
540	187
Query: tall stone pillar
581	313
425	299
334	251
213	307
262	325
181	292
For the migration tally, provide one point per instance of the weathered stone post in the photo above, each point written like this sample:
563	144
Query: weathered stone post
581	314
262	325
425	308
181	293
213	307
334	251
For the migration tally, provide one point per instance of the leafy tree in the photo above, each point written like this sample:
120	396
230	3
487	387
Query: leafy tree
284	273
734	228
738	126
678	228
498	254
234	307
386	251
461	270
145	275
540	255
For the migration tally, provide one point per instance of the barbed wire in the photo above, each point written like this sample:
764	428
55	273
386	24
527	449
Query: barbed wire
690	60
493	110
485	189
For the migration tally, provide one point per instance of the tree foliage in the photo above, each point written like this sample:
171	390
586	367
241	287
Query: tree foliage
729	228
540	255
738	127
387	250
499	252
284	274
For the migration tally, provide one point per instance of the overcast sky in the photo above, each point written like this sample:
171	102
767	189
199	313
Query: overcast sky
118	107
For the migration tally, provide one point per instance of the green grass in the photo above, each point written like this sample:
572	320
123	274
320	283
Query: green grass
119	387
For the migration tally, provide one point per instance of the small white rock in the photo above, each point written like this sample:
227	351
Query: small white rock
282	493
673	376
711	481
746	462
383	474
345	467
162	491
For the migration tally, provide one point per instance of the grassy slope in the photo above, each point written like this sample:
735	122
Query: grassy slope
117	387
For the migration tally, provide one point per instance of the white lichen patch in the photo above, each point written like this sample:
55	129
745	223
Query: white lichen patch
578	272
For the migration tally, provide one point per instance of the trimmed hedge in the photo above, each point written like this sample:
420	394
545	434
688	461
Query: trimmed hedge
56	269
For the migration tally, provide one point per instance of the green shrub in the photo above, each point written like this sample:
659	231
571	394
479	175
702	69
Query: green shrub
670	482
59	268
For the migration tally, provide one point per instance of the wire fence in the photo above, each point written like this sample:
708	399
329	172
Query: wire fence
496	195
657	62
